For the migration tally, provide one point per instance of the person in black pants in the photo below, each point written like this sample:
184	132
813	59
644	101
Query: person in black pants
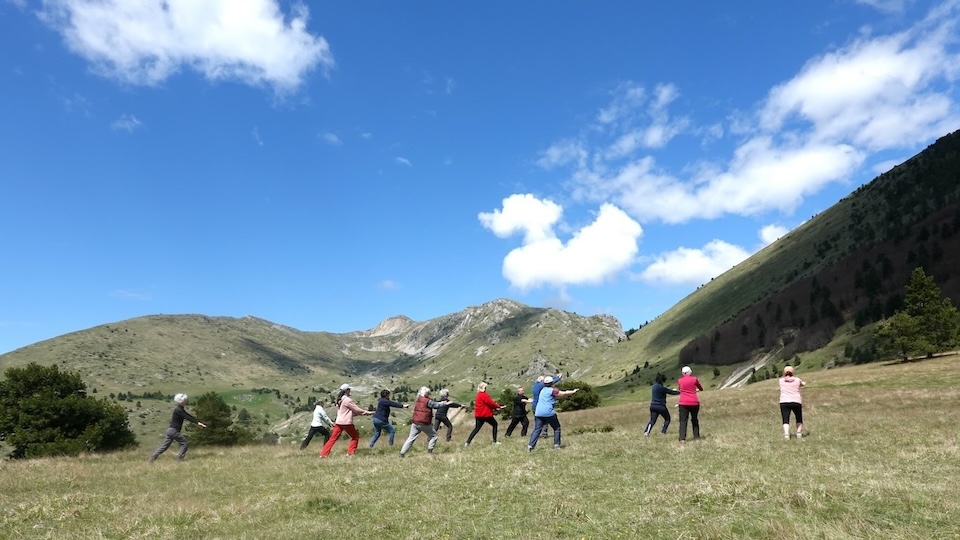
176	426
519	415
658	404
440	417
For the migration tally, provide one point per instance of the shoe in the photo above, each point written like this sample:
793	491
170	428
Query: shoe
429	451
786	437
401	455
466	444
529	449
495	442
557	447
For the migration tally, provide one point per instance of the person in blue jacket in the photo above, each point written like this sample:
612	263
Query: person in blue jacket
381	418
658	404
535	396
546	414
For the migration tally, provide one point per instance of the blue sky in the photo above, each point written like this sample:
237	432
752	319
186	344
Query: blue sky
326	165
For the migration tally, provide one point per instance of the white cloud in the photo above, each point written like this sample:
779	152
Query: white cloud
596	252
330	138
252	41
874	94
886	165
130	295
256	136
771	233
126	122
562	153
690	266
403	161
450	85
388	284
888	6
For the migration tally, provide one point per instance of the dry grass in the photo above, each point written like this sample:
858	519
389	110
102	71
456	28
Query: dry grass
880	462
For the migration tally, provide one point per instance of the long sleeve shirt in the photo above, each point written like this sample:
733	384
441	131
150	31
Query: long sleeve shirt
790	389
320	417
688	390
383	409
658	394
346	411
179	415
484	406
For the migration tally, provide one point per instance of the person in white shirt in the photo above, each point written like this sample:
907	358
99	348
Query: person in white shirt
320	424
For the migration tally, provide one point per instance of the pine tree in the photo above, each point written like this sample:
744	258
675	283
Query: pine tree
926	325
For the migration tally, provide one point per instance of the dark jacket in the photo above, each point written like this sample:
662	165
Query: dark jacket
179	415
423	410
383	409
442	409
658	394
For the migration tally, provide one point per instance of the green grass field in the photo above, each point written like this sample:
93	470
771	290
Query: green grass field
880	461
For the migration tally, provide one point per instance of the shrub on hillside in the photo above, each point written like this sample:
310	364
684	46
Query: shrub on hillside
585	398
220	431
46	412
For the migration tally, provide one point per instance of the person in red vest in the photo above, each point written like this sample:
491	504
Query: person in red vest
689	403
483	409
423	421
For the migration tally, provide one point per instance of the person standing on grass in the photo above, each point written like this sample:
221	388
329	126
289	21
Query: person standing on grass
319	424
519	414
381	418
441	416
346	408
790	401
535	396
545	414
689	403
176	425
658	404
483	410
423	421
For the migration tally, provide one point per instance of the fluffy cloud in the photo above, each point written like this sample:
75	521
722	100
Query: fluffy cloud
146	42
694	266
331	138
877	93
593	254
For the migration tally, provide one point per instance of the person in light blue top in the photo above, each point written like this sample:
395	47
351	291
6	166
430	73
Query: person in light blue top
535	396
545	412
381	418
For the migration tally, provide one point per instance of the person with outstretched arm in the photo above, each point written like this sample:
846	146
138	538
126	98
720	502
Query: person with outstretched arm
176	426
381	418
346	408
689	403
483	408
658	404
790	401
423	421
442	411
319	424
545	413
519	413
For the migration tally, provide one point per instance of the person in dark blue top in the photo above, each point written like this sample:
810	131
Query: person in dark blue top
658	404
381	418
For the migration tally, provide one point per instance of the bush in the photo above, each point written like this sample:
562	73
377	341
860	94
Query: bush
46	412
585	398
220	431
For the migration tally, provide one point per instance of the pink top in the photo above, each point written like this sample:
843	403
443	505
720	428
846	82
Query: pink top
790	389
346	411
688	390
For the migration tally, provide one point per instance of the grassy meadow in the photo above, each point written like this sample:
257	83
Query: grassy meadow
880	461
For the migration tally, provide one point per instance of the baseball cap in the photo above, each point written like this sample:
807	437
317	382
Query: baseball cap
686	370
344	386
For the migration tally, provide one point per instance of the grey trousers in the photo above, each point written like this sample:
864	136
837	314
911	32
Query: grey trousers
415	430
171	435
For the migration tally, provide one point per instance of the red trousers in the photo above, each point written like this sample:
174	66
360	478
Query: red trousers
337	429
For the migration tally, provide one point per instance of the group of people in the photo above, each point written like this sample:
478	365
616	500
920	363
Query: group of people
689	403
430	414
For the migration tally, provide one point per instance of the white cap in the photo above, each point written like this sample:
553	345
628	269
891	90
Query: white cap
686	370
344	386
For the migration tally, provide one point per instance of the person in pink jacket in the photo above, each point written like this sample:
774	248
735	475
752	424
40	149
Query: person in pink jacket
689	403
344	422
790	401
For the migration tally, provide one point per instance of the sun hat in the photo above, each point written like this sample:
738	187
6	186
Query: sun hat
686	370
344	386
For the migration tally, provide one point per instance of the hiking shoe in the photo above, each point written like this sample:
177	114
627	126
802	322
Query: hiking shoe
496	442
529	449
466	444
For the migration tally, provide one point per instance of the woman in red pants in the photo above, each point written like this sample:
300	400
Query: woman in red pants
344	422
